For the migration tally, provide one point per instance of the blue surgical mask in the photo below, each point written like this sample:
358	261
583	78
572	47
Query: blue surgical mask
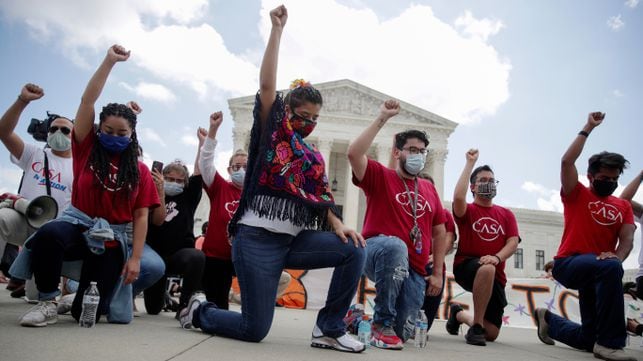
172	188
113	143
237	177
414	163
58	141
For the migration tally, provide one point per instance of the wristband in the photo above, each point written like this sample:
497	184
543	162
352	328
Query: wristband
499	260
583	133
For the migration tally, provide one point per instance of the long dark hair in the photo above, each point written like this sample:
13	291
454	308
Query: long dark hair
99	159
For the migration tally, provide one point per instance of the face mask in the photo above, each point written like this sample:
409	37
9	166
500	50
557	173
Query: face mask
237	177
604	188
302	125
172	188
113	143
58	141
487	190
414	163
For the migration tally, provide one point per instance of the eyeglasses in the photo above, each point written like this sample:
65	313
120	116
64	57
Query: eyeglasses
305	120
64	130
236	167
414	150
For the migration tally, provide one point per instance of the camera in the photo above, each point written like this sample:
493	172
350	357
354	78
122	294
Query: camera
39	129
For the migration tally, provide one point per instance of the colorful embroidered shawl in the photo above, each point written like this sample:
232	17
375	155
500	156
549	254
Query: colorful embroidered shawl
286	178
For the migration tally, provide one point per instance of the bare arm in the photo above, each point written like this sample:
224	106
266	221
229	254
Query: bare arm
568	172
629	192
625	241
392	161
132	266
450	239
15	145
462	186
509	249
84	122
268	72
159	213
359	147
343	232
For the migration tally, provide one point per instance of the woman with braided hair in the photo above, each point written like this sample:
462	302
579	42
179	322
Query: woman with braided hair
112	194
286	218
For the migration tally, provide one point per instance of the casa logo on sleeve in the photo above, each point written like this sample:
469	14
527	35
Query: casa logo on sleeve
231	207
488	229
406	203
605	214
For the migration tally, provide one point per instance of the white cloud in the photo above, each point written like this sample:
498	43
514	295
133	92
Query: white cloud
477	29
151	91
149	135
445	68
615	23
221	162
547	199
617	93
632	3
190	140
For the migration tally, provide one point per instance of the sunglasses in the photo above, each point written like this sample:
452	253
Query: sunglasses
303	119
64	130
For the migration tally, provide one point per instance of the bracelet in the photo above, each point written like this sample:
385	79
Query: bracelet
499	260
22	100
583	133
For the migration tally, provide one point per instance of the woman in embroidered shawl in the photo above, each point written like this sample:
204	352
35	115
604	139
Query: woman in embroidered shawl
286	218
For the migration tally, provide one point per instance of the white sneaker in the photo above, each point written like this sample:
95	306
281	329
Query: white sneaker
64	304
343	343
42	314
186	314
611	354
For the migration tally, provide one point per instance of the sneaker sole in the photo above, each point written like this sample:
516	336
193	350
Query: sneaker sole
332	345
477	343
190	310
546	342
41	324
386	346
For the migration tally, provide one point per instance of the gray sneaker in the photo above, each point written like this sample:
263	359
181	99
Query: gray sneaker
343	343
611	354
187	313
476	335
64	304
543	326
41	315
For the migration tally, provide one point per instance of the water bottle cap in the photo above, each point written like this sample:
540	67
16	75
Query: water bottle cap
365	317
93	283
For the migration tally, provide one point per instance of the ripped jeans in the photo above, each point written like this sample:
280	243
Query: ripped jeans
399	290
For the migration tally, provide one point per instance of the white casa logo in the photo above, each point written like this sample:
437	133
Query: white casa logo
406	203
604	214
487	228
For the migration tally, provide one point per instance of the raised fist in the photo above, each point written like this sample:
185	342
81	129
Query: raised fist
135	107
216	119
595	119
117	53
201	133
279	16
472	155
390	108
31	92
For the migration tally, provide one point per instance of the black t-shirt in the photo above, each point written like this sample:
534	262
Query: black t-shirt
177	231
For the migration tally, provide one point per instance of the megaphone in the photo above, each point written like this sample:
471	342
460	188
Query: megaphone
37	212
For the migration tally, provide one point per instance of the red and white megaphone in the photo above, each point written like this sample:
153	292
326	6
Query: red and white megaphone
38	211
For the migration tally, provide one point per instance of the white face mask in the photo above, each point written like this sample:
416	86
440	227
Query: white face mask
414	163
58	141
238	177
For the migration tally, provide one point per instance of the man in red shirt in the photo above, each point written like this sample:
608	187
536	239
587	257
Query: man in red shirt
403	215
598	236
488	236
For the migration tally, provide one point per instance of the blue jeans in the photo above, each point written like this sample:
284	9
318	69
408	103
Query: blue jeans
399	290
600	294
259	256
152	269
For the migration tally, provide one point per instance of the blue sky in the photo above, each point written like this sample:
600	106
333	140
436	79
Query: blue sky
519	76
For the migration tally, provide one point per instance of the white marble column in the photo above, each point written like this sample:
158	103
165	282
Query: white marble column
435	163
325	147
351	199
240	139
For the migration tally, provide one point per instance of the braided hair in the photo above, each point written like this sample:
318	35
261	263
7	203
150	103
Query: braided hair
99	159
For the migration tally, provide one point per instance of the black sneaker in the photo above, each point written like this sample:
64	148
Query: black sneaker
453	325
475	336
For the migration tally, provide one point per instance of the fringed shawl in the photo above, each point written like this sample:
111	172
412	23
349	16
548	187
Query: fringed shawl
285	178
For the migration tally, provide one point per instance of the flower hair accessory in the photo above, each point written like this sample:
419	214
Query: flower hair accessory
299	83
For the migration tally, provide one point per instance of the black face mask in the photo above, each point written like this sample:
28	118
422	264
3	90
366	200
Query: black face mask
604	188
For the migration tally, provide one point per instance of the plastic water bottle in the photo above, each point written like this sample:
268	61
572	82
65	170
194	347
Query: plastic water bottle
90	306
364	331
421	329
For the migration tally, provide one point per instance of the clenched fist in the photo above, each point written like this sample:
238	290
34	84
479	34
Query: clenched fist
595	119
117	53
390	108
279	16
31	92
472	155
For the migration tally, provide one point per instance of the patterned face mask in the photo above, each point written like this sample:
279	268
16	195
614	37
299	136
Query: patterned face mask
487	190
301	125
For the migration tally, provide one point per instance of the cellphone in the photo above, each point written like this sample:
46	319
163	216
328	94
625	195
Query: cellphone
158	166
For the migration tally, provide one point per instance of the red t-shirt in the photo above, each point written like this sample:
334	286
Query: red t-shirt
224	201
484	231
389	210
449	223
100	198
592	223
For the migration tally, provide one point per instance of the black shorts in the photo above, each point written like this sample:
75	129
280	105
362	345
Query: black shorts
465	273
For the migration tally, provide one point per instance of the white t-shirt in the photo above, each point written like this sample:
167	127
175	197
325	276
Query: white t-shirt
34	184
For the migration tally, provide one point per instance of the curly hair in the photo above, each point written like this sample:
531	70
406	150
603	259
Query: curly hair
606	160
402	137
99	159
303	92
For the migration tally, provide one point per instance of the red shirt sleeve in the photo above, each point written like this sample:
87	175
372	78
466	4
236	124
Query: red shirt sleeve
373	177
512	225
81	150
449	223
